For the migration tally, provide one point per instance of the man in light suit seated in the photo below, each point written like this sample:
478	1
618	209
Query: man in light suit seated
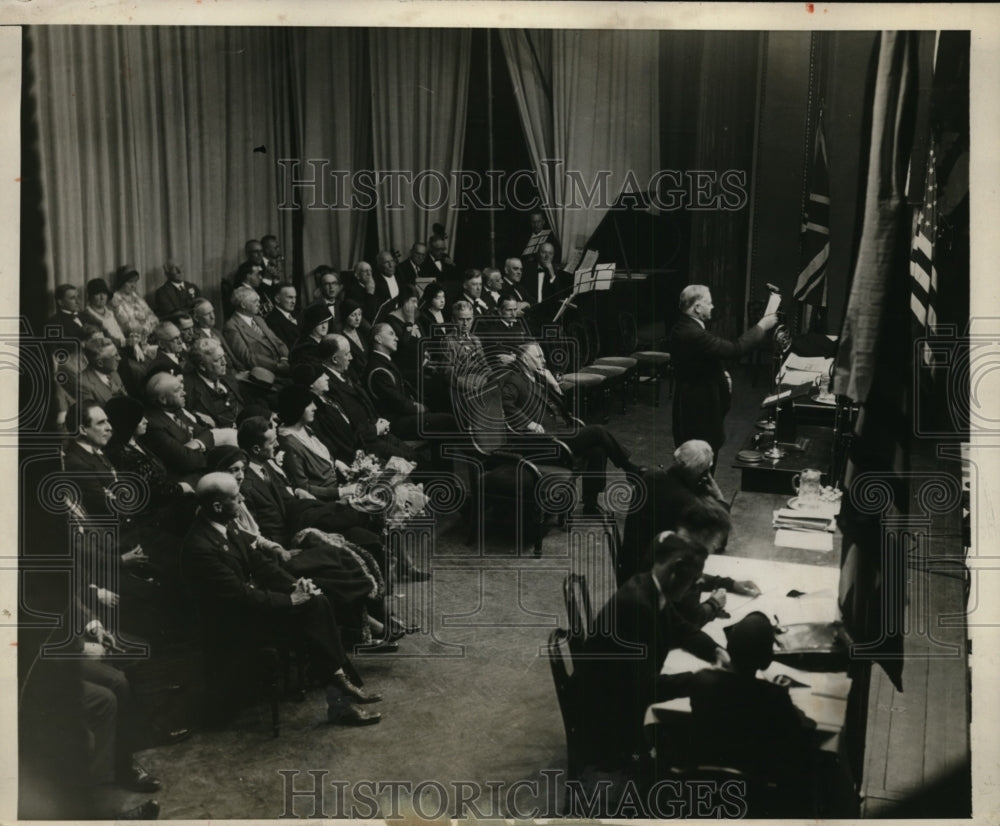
99	381
250	340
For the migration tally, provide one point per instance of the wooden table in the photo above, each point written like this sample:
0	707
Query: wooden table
776	476
753	536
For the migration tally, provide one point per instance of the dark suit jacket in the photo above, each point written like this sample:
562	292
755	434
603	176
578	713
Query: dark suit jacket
407	272
620	671
284	329
392	396
336	430
67	324
232	581
96	476
253	348
167	439
168	299
88	385
447	273
222	407
525	401
270	503
356	403
164	364
520	291
701	395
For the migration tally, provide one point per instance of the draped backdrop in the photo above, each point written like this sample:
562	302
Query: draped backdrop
164	142
589	100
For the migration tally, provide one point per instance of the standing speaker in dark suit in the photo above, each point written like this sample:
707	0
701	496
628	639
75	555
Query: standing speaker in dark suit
703	387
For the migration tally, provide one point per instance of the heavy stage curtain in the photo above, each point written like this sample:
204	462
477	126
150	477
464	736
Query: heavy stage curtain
589	105
157	142
420	83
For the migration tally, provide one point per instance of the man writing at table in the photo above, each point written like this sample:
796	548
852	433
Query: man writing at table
620	664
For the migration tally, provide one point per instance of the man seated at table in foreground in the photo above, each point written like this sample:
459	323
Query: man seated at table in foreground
619	667
741	721
706	523
668	492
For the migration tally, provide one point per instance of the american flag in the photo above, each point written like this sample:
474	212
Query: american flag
923	274
811	285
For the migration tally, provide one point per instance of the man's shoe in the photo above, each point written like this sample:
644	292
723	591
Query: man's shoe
137	779
343	687
389	646
348	714
150	810
397	626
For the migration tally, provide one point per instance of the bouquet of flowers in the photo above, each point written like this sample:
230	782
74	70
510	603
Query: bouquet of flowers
385	490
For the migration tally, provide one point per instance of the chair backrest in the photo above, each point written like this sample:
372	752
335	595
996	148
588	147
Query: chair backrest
567	693
593	338
628	333
481	414
578	613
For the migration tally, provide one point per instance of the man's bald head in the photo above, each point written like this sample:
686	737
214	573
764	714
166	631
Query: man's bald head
215	486
694	457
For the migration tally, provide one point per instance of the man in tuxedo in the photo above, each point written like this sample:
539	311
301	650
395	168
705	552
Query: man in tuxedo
492	288
251	341
99	381
374	431
67	316
512	286
549	285
209	389
702	389
438	264
331	292
412	268
620	670
254	270
386	283
503	334
171	355
534	406
180	438
175	293
284	318
274	261
242	592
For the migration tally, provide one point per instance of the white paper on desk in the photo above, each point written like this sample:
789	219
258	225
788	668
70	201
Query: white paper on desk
773	302
796	378
772	399
804	540
810	364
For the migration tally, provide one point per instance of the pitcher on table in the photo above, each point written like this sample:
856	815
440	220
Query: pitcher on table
809	486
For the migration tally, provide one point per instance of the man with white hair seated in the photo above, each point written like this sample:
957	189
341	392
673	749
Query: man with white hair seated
177	436
242	593
251	341
666	494
210	389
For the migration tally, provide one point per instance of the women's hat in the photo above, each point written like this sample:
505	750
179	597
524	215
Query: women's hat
348	306
292	402
306	372
96	286
406	292
223	457
124	413
123	274
314	315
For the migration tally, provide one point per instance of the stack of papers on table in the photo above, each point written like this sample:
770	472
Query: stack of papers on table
808	529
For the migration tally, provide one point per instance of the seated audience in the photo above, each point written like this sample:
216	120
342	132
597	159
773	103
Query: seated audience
361	290
410	268
438	264
328	289
373	430
513	274
98	311
203	315
492	289
534	405
128	305
472	292
274	261
243	595
137	356
464	367
209	388
284	318
620	666
175	294
403	320
386	284
331	424
183	321
99	380
250	340
252	272
503	334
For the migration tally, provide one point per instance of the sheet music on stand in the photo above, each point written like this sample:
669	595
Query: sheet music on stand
536	241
